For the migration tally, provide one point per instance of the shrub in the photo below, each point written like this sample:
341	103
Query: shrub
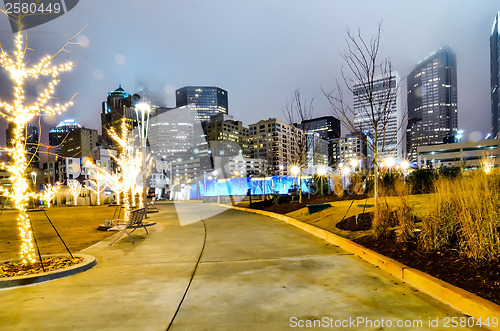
422	181
450	172
404	216
466	210
381	220
438	229
388	182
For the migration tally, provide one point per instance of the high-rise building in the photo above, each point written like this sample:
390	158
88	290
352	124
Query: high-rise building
227	137
58	133
175	134
79	143
349	148
391	125
278	143
119	104
495	75
317	149
207	100
32	141
328	128
432	101
176	137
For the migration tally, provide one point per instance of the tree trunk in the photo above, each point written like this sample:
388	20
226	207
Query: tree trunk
375	166
20	196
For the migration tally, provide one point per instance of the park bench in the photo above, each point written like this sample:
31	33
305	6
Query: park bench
152	206
135	222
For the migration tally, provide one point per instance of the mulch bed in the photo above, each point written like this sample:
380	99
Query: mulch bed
361	222
480	278
17	268
285	206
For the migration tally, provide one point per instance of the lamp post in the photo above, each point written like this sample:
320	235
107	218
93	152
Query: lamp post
33	178
142	111
88	167
295	171
321	172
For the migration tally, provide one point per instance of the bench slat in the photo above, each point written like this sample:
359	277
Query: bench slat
135	222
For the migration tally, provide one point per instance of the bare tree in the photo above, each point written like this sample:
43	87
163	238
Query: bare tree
375	88
297	111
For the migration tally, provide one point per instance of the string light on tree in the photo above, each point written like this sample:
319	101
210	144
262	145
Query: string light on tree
130	163
98	183
49	192
20	114
74	189
114	182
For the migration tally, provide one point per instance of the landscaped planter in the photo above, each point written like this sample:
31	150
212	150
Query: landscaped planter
88	262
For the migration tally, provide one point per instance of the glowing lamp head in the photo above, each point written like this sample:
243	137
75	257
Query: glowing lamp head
143	107
354	163
321	171
389	162
404	165
295	170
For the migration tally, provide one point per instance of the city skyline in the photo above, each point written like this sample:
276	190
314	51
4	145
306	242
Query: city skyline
257	51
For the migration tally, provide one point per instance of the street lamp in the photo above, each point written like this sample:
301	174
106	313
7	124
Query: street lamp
296	171
390	162
33	178
321	172
88	168
142	111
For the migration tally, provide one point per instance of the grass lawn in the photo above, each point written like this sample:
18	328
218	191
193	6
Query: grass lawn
77	225
327	219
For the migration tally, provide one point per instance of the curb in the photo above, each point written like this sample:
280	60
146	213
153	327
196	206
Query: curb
462	300
88	262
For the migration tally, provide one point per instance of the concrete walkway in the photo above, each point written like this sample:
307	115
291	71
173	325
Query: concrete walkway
255	273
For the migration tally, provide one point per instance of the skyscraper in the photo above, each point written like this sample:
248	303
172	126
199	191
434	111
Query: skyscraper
432	101
278	143
390	128
207	100
79	143
328	128
227	137
58	133
119	104
495	75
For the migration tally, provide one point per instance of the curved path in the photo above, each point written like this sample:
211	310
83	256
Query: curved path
231	271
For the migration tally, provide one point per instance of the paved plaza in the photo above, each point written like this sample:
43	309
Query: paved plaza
251	272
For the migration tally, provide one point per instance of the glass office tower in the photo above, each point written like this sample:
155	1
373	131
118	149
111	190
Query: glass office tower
207	100
432	101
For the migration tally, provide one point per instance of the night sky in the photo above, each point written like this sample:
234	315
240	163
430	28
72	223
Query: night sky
259	51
